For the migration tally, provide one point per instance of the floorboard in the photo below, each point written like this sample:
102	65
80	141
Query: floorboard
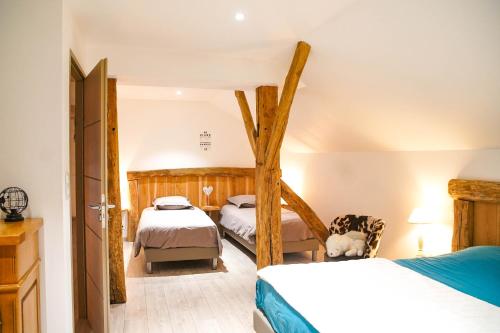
190	297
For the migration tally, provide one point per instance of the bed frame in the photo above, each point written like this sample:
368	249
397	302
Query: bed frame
476	222
145	186
476	213
182	253
288	247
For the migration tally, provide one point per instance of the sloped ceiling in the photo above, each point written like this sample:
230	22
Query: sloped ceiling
382	75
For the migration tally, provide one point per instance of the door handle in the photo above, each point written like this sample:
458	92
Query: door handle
102	212
95	207
98	207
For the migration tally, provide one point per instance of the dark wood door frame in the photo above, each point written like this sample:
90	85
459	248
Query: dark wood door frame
78	76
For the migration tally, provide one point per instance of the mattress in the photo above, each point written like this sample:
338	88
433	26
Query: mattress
379	295
242	221
166	229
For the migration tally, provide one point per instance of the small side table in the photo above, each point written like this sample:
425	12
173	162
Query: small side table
214	213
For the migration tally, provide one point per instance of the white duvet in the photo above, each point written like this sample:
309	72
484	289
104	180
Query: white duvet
377	295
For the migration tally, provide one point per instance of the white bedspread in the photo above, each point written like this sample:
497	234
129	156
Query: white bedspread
377	295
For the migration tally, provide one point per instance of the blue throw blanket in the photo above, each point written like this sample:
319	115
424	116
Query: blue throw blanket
474	271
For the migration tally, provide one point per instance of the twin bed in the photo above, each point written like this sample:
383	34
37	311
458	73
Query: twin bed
239	224
172	235
456	292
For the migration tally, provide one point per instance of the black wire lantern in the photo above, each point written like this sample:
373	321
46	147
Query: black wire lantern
13	201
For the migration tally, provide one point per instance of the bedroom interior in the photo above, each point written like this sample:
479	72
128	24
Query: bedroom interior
195	180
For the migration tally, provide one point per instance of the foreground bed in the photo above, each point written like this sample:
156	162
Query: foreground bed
174	235
239	224
459	292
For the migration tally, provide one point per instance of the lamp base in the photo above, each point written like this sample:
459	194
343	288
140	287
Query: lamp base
14	217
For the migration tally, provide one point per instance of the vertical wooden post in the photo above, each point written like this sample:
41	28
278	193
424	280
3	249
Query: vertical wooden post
116	266
267	183
463	228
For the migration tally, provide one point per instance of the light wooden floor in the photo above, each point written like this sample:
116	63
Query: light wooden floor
188	296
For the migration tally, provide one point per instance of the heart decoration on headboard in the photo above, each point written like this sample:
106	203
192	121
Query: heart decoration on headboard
208	190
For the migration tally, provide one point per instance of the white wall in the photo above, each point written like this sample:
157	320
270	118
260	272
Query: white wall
389	185
164	134
34	106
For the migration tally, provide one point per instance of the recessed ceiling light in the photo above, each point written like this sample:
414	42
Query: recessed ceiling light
178	92
239	16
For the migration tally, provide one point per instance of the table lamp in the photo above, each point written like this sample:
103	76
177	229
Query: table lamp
421	216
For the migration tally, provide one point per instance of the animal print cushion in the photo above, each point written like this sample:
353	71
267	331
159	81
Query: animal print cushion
372	227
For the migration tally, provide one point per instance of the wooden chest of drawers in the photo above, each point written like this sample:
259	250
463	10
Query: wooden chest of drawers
19	277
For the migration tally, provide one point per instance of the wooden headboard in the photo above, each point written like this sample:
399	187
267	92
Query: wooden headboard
145	186
476	213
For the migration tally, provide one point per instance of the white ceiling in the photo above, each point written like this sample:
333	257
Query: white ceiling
382	75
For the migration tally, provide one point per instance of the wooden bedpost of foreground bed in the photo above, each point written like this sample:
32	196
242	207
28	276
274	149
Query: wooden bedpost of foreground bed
476	213
266	140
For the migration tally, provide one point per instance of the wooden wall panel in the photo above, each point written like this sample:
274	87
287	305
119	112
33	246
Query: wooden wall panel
193	190
151	188
250	184
144	198
486	232
145	186
214	196
161	186
180	186
231	190
240	185
170	185
222	188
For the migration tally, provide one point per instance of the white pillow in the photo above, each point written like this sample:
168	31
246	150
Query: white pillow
171	202
243	201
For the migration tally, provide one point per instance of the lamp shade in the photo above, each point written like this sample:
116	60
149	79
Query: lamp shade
421	216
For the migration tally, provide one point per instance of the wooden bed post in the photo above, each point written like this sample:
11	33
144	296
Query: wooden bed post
476	209
266	141
116	265
463	227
